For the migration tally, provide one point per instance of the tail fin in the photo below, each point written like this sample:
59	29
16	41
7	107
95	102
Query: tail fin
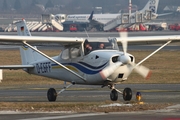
151	5
27	54
22	28
91	15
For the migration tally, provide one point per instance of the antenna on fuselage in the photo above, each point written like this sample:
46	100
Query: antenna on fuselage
86	33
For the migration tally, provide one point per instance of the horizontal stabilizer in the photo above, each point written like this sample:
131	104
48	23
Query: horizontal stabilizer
15	67
165	14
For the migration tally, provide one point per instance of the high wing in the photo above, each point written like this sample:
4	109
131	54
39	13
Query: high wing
149	39
39	39
73	41
33	39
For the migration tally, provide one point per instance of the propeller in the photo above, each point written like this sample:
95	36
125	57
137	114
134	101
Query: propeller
143	71
140	69
125	59
124	41
106	72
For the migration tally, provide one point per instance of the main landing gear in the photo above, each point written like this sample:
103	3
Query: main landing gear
127	94
52	94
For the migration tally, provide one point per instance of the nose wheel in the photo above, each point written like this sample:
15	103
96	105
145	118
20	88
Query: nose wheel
114	95
127	94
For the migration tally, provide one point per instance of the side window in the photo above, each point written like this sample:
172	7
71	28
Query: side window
75	52
65	54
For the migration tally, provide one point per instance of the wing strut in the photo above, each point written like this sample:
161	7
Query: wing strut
24	42
153	53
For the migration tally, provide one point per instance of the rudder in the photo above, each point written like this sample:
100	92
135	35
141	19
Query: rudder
151	5
27	54
22	28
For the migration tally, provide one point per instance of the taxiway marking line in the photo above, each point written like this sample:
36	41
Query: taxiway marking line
66	116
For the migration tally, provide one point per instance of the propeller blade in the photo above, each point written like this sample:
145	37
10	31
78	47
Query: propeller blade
124	42
106	72
143	71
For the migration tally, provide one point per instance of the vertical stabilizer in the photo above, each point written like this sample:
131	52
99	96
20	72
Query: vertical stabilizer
152	5
22	28
91	15
27	54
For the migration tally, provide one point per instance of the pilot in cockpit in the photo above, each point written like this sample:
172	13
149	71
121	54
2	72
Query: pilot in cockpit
88	48
101	46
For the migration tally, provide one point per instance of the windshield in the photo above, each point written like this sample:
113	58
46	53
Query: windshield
107	45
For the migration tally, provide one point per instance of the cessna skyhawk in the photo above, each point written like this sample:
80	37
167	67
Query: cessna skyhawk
83	61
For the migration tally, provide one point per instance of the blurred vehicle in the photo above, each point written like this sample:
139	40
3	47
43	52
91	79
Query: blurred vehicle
1	29
155	27
175	27
73	28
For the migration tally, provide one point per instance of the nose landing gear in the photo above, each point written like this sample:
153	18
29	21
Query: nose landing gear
114	95
127	94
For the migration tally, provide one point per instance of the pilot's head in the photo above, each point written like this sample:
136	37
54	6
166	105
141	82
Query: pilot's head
101	46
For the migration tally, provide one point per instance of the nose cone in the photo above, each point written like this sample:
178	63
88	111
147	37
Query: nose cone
125	59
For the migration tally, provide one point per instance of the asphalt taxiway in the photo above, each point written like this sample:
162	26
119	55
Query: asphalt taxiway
168	114
151	93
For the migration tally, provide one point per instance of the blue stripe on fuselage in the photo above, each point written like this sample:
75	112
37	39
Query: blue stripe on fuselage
84	69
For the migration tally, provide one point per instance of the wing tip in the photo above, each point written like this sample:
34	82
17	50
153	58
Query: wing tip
148	75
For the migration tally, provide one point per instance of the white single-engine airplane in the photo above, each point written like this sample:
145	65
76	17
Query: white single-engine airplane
76	64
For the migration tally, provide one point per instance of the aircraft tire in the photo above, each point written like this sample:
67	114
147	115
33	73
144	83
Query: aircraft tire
127	94
51	95
114	95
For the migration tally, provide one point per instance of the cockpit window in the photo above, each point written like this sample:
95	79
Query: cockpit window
65	54
75	52
71	52
107	45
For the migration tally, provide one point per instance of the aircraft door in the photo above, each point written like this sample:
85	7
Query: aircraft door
65	54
